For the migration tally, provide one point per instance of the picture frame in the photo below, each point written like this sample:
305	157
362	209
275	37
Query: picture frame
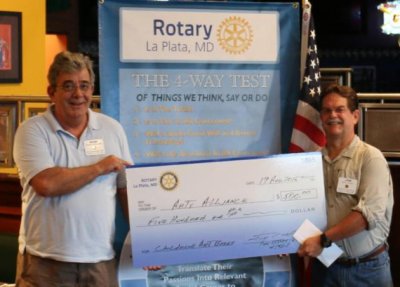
95	105
339	76
10	47
8	125
378	120
34	108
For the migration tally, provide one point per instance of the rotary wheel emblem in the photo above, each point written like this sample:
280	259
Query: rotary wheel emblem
235	35
169	181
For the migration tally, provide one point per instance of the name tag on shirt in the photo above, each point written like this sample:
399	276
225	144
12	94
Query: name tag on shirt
94	147
347	185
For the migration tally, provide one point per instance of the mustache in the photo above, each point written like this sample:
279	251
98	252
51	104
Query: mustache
77	102
334	122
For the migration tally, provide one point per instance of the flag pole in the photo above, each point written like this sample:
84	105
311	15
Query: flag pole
305	30
305	25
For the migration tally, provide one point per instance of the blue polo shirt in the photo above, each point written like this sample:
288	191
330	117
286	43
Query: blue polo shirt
77	227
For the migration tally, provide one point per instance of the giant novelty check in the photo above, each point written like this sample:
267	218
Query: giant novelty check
194	212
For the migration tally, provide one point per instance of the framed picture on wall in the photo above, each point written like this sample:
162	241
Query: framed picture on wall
95	105
33	109
339	76
8	125
10	47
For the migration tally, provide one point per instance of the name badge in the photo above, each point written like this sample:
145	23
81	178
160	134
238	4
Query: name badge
347	185
94	147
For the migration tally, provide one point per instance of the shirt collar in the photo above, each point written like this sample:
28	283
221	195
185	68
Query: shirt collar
93	122
351	148
347	151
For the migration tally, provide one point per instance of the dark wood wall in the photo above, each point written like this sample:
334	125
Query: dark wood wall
10	204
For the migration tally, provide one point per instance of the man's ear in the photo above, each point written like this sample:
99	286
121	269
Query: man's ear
50	91
356	115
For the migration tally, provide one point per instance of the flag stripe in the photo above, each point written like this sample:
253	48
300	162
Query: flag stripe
310	129
303	142
295	148
307	111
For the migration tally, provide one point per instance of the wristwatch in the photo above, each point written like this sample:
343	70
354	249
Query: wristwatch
325	241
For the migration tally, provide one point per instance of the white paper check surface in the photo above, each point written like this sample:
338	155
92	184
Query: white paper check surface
197	212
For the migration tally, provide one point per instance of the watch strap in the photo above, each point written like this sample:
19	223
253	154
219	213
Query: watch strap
325	241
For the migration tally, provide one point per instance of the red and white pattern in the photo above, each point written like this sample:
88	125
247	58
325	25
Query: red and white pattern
307	134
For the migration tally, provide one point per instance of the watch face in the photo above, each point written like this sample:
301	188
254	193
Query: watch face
325	241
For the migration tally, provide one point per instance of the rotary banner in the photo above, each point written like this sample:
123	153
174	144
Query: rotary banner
194	81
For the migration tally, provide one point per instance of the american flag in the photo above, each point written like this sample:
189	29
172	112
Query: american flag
307	134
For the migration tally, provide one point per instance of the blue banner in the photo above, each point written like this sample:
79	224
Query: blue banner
200	80
193	81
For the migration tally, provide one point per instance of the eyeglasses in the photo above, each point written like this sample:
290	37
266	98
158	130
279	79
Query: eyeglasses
70	87
338	110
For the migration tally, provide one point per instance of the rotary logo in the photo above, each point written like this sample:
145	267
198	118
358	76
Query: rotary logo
235	35
169	181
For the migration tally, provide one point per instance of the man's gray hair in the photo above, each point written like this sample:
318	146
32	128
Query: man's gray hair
68	62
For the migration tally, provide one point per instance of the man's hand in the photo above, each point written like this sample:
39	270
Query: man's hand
153	267
310	247
111	163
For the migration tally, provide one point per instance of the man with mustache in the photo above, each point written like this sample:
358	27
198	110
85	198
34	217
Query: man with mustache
359	197
71	164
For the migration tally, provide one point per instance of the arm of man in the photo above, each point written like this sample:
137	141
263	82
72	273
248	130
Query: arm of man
375	186
123	199
122	192
57	181
352	224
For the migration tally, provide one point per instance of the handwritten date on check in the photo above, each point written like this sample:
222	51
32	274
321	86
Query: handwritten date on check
217	210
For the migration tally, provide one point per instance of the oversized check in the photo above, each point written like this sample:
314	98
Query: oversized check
195	212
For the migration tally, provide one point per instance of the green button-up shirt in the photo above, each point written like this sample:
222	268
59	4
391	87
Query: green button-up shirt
369	191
